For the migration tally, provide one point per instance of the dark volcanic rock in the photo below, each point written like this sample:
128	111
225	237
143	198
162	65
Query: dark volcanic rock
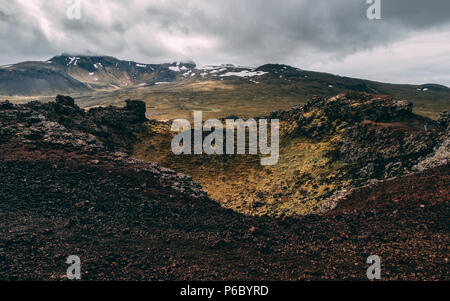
444	119
63	122
322	115
379	136
65	100
390	149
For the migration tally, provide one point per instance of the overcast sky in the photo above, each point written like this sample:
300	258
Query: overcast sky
411	44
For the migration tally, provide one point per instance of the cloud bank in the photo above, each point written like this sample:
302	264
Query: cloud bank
409	45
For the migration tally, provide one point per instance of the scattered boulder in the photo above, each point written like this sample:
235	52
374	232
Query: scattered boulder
65	100
444	119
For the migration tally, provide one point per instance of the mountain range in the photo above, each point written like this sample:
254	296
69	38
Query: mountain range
104	80
66	73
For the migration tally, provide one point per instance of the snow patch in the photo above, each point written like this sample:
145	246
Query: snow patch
209	67
244	73
174	68
73	59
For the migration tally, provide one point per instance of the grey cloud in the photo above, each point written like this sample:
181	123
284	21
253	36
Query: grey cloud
250	32
19	34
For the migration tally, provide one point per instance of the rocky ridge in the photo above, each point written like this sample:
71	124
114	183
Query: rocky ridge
63	122
378	136
107	134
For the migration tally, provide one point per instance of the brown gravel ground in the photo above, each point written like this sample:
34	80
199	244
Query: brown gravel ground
125	224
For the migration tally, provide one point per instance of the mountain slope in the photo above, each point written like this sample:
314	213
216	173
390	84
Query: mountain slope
36	78
174	90
81	74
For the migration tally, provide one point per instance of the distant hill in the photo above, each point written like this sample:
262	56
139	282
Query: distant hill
36	78
66	73
173	90
69	73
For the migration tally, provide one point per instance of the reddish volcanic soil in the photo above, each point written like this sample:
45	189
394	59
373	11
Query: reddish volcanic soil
126	221
419	190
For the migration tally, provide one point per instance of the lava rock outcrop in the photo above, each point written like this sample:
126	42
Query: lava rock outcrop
63	122
378	136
